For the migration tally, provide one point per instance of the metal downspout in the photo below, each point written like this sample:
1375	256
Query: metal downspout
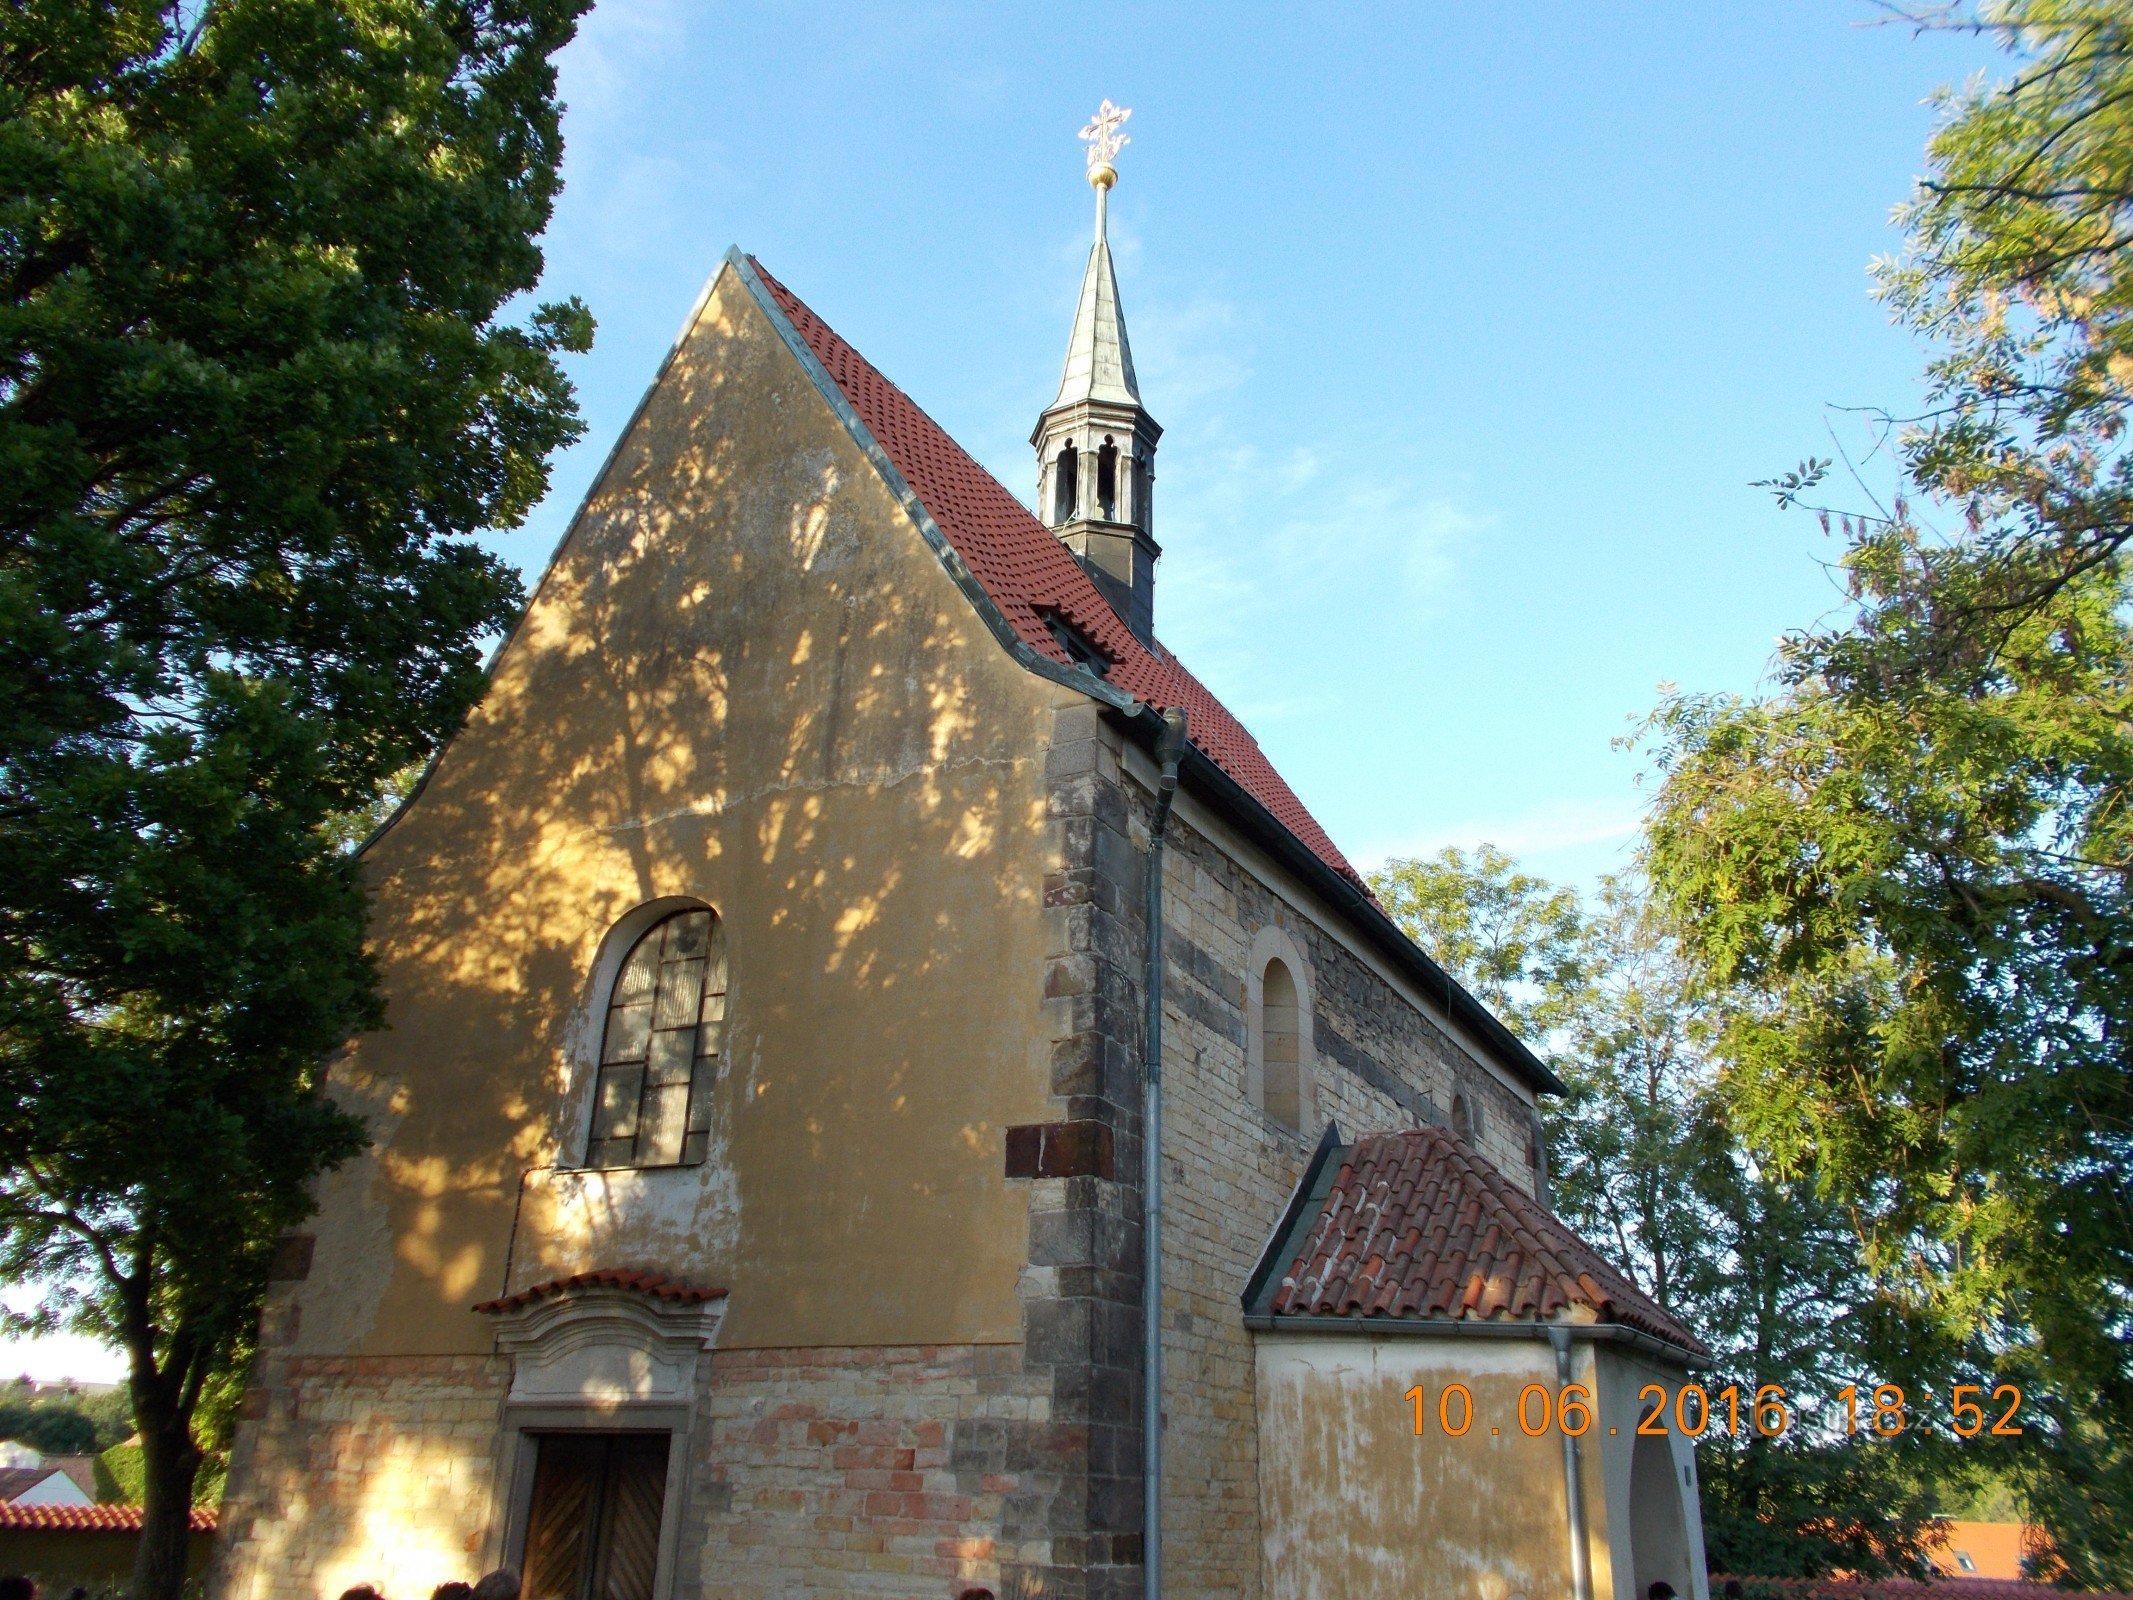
1573	1491
1169	750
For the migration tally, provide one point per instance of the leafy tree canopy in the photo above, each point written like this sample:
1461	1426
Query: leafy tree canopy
63	1424
1511	939
1644	1161
255	394
1916	849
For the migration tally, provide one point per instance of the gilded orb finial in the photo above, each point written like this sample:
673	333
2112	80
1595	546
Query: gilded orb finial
1105	141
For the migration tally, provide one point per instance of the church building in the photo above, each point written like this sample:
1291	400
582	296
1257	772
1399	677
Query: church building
886	1091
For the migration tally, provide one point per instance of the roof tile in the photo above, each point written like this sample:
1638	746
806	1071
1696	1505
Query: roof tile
1417	1225
89	1519
1026	571
655	1284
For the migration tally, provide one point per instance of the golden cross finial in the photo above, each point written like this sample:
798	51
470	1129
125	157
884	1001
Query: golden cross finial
1105	141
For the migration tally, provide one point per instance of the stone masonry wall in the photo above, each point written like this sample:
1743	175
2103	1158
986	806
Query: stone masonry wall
354	1470
914	1473
926	1471
1377	1063
881	1471
1081	1290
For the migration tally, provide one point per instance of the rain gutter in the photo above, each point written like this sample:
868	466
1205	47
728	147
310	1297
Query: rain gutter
1170	745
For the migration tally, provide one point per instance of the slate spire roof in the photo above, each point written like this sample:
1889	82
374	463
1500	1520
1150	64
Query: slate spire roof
1099	360
1416	1226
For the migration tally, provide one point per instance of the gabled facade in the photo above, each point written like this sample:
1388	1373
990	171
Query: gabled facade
755	1202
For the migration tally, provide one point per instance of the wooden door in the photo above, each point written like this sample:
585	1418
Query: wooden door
592	1532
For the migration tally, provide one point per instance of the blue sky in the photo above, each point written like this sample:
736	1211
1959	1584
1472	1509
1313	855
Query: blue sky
1468	327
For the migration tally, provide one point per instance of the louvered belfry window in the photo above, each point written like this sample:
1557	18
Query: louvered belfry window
666	1027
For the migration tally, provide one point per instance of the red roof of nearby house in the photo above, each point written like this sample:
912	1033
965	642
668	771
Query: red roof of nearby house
88	1519
655	1284
1026	572
1417	1225
1957	1588
1993	1549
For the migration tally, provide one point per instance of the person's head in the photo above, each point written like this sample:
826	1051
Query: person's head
15	1587
1660	1590
502	1584
453	1590
361	1591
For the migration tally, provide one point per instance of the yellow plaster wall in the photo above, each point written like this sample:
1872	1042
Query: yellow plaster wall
746	681
1355	1506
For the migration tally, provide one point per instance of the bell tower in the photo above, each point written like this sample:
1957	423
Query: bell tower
1095	443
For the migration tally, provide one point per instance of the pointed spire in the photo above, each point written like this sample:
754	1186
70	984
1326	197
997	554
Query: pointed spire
1099	360
1096	442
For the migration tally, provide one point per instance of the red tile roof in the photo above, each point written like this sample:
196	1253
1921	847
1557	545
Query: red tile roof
88	1519
1026	572
1417	1225
1955	1588
655	1284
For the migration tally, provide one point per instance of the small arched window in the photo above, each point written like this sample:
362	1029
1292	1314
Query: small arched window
666	1027
1066	484
1462	1118
1278	1024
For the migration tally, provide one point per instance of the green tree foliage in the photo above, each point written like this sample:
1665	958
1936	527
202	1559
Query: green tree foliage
62	1424
1645	1162
254	396
1917	850
1625	1144
1510	938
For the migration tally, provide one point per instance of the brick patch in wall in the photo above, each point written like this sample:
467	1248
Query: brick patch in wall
1080	1149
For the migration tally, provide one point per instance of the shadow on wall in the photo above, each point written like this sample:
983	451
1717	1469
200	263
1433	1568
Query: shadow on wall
746	684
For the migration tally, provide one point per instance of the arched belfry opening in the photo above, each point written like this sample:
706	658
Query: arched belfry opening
1096	442
1066	485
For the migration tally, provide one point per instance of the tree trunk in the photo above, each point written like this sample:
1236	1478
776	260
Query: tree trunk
170	1463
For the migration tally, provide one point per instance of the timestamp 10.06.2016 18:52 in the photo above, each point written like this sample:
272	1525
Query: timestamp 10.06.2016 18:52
1883	1410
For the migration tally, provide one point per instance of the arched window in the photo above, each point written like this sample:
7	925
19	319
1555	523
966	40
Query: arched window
1462	1118
1107	481
666	1026
1066	484
1278	1029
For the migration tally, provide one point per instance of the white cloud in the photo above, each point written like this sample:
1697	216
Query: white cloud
601	72
1317	529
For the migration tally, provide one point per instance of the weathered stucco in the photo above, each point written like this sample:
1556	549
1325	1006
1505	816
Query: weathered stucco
745	682
1357	1506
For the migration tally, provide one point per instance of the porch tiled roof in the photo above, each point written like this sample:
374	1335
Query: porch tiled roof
1416	1225
655	1284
